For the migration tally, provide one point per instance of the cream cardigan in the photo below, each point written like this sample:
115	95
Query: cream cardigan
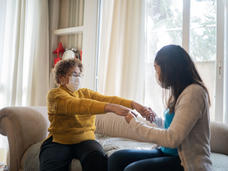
189	130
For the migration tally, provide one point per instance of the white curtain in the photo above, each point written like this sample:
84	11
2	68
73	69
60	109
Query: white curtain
121	57
225	118
24	59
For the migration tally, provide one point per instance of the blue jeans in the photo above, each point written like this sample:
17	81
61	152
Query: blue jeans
143	160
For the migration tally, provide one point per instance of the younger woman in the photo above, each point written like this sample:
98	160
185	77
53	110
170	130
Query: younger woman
188	103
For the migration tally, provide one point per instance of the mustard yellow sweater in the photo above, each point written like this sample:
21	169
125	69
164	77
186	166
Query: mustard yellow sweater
72	115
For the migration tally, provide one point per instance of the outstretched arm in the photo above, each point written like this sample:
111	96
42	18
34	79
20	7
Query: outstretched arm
60	102
118	109
188	111
90	94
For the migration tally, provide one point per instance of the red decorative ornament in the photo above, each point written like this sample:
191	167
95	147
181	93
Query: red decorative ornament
81	55
59	51
66	53
57	59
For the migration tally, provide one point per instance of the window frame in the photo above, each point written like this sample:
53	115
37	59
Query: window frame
220	49
225	118
89	44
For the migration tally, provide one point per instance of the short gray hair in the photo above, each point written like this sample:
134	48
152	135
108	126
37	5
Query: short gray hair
63	67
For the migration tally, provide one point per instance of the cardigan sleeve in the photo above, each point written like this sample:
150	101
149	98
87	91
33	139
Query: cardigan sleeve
102	98
60	102
188	111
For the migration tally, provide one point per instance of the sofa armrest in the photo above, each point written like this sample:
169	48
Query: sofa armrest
219	137
23	126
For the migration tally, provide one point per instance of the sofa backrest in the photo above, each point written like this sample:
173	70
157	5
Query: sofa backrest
113	125
219	137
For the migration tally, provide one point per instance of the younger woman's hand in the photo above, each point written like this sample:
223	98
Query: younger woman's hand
146	112
150	115
129	117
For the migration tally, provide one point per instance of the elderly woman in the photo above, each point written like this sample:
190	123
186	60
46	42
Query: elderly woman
71	114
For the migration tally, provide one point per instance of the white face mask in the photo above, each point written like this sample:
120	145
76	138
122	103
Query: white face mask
74	83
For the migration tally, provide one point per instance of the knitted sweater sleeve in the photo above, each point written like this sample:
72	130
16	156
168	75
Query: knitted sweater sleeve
60	102
188	110
102	98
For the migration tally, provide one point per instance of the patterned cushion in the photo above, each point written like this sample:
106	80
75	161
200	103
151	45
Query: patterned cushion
219	161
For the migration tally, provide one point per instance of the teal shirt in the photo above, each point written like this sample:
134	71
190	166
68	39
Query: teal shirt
167	122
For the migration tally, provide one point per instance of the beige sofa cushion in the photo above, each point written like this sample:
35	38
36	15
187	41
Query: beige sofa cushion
219	138
219	162
30	159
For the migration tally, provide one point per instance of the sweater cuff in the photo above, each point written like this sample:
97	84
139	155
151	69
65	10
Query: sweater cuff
98	108
126	103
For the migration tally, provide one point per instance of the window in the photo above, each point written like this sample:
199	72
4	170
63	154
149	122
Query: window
202	46
193	25
76	28
163	26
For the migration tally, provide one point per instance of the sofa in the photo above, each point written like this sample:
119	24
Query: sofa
26	127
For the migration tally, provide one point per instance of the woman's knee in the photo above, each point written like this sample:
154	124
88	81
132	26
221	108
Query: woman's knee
118	160
95	161
51	160
157	163
118	155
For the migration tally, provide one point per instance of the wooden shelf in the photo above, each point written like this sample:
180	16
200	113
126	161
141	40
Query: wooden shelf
69	30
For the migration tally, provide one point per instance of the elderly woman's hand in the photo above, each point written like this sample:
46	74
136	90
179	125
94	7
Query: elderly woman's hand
118	109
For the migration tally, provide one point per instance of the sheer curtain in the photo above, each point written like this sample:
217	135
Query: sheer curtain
121	56
24	59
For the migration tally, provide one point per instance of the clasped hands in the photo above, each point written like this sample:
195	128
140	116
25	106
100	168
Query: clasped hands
146	112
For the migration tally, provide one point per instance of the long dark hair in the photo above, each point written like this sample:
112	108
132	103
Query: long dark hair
177	72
